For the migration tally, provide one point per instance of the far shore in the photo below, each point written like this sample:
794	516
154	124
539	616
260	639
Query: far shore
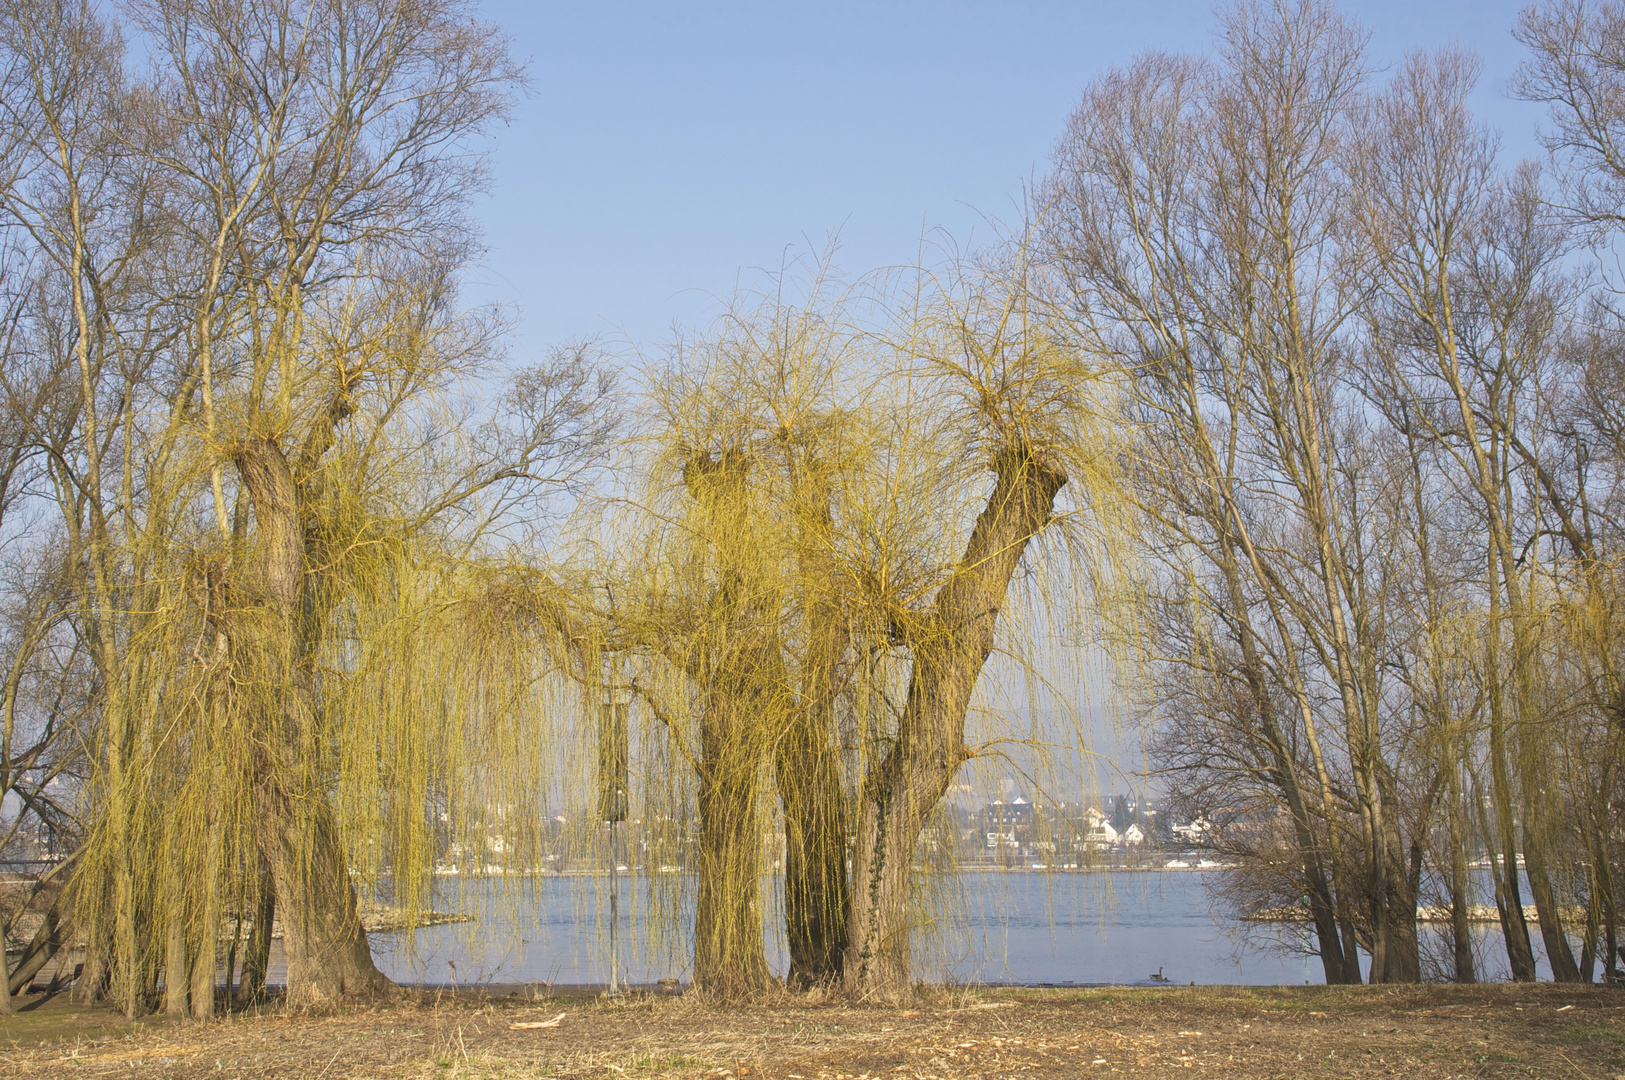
966	868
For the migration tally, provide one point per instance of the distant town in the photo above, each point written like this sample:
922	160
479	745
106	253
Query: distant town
1012	832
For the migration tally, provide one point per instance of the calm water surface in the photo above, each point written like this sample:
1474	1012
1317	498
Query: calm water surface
1115	927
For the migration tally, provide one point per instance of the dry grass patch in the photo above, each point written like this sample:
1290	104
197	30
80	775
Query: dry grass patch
948	1034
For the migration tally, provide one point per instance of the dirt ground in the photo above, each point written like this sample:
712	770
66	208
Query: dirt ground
1431	1031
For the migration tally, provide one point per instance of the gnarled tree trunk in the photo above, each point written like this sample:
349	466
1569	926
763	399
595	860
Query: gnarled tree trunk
949	648
326	946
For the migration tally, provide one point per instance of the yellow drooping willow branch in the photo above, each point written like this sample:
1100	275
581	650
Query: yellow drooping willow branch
815	547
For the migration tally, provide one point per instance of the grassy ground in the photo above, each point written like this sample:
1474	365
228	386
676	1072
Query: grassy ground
1433	1031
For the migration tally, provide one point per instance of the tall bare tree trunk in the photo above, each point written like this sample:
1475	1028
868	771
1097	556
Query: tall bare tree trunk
1403	962
1285	771
1508	894
1460	928
1558	952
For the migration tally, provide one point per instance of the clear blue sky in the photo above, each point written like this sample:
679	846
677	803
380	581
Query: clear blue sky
670	149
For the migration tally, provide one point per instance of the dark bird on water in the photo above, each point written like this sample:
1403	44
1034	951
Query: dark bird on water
1159	976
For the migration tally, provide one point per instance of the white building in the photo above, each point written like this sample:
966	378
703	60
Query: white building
1196	832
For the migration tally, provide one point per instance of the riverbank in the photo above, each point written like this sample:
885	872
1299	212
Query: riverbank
1425	913
375	919
506	1034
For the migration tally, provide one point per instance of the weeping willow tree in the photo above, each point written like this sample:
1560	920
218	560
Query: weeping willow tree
732	623
1005	413
281	732
244	271
841	492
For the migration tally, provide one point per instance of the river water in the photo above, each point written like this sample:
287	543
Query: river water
1116	928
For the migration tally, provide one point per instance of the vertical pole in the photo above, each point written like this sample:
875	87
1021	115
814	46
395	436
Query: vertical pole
612	808
614	899
613	783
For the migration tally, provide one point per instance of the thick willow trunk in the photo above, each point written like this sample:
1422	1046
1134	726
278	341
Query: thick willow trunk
892	810
322	937
815	888
257	959
204	973
91	985
737	666
326	946
729	956
1403	961
807	762
950	649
